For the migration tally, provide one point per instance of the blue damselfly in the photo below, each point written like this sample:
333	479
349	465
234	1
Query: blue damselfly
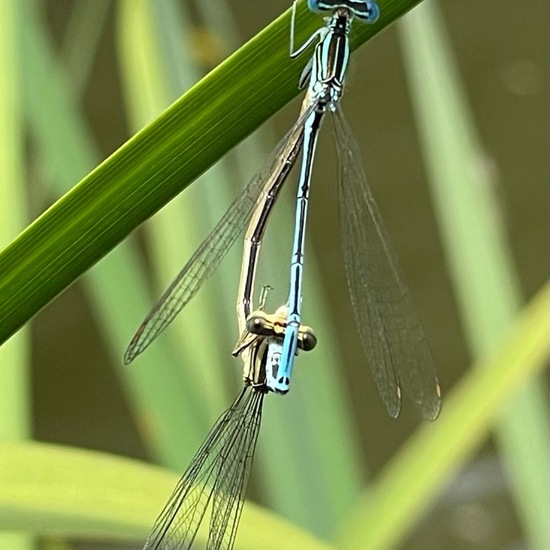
392	337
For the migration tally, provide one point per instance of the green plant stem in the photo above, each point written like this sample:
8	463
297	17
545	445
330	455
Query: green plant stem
480	260
56	490
422	470
15	401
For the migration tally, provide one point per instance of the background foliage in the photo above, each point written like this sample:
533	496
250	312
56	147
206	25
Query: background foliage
439	98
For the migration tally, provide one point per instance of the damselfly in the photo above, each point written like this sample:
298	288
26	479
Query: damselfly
392	337
217	477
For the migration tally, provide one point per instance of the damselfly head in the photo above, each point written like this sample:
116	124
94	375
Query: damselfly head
267	324
273	325
261	324
365	10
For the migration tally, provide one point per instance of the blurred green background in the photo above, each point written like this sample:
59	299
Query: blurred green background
449	107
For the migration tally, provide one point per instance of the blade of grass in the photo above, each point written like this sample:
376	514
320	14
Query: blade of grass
55	490
154	166
15	412
55	543
15	419
82	38
154	74
479	256
422	470
115	288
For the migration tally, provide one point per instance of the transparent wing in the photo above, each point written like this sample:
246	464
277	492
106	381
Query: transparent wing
392	337
218	475
214	248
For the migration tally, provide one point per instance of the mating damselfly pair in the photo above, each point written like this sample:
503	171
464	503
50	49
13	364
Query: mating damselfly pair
393	340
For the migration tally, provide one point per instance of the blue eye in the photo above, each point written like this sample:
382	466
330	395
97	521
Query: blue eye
374	12
313	5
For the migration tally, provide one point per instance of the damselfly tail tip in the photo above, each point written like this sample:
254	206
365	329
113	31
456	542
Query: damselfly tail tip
280	386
